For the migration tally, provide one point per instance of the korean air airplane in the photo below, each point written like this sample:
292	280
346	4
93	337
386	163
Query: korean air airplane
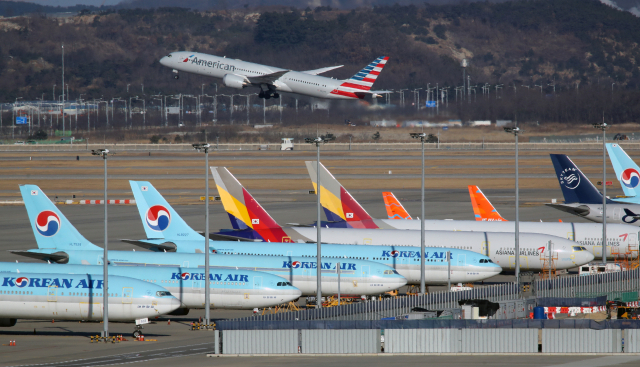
271	80
230	288
344	211
627	172
47	296
58	241
251	222
176	235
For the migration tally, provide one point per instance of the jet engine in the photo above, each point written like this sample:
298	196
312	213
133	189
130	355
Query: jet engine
234	81
7	322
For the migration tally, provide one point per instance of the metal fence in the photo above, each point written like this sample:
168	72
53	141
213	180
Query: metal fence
408	146
581	341
340	341
631	341
259	341
623	286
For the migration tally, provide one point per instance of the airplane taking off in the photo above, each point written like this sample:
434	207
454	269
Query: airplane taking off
583	199
627	172
619	236
395	210
252	223
483	210
47	296
466	266
271	80
59	241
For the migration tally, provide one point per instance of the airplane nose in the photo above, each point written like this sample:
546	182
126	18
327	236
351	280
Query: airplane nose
164	61
170	306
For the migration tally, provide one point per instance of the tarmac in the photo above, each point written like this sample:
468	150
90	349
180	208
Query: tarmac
60	343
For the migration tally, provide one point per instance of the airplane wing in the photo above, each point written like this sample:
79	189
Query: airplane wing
267	78
321	70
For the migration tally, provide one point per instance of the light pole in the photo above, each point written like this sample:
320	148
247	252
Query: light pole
464	63
416	97
516	131
317	142
422	137
105	260
603	126
54	92
207	298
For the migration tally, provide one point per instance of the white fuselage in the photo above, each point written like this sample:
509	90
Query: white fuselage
619	213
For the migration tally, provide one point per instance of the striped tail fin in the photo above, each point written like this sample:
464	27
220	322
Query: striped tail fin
482	208
395	210
365	78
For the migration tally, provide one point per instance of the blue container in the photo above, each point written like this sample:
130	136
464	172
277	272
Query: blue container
538	313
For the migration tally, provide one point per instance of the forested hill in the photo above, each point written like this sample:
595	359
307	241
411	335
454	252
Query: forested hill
543	42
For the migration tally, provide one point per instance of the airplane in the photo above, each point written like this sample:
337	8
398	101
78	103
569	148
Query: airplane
59	241
395	210
230	288
583	199
483	211
252	223
620	236
627	172
271	80
47	296
177	236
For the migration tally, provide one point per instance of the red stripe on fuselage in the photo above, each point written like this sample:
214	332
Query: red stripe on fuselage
355	86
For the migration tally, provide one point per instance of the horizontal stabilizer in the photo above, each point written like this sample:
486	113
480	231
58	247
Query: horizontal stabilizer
581	210
58	257
321	70
167	246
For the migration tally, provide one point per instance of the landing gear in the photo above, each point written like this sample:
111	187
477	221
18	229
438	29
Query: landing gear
176	76
137	332
268	94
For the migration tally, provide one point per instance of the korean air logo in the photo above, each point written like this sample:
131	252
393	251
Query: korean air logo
630	178
22	282
187	59
296	264
395	253
47	223
158	218
570	178
185	276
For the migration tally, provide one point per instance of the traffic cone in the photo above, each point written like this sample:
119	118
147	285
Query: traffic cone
141	338
169	322
53	321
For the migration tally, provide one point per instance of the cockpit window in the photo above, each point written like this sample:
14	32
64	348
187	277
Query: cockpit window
169	55
389	272
486	261
284	284
163	294
579	248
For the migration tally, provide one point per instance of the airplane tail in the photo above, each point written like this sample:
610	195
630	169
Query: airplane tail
482	208
243	210
627	172
362	82
50	227
159	219
338	204
395	210
576	187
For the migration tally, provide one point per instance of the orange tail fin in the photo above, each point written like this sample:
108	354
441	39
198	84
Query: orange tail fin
395	210
482	208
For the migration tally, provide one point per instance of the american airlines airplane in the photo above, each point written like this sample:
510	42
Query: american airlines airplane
230	288
58	241
176	235
344	211
252	223
47	296
271	80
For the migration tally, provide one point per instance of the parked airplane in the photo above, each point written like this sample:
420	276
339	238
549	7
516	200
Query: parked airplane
482	208
622	237
230	288
251	222
47	296
58	241
271	80
627	172
466	267
583	199
395	210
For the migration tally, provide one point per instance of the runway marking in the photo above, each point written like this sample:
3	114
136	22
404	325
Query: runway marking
599	362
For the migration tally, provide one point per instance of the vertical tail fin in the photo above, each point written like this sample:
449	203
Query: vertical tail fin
627	172
365	78
338	204
395	210
50	227
482	208
576	187
158	217
244	209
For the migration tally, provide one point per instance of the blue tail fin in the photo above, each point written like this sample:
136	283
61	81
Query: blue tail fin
627	172
50	226
158	217
576	187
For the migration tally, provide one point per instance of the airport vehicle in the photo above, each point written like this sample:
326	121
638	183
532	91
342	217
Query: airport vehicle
627	172
395	210
599	268
483	211
252	223
230	288
47	296
466	267
583	199
271	80
58	241
345	211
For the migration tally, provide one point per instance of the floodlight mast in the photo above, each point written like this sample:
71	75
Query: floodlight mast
516	131
422	137
207	285
104	153
603	126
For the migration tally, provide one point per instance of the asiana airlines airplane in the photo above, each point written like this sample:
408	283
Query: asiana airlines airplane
240	74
